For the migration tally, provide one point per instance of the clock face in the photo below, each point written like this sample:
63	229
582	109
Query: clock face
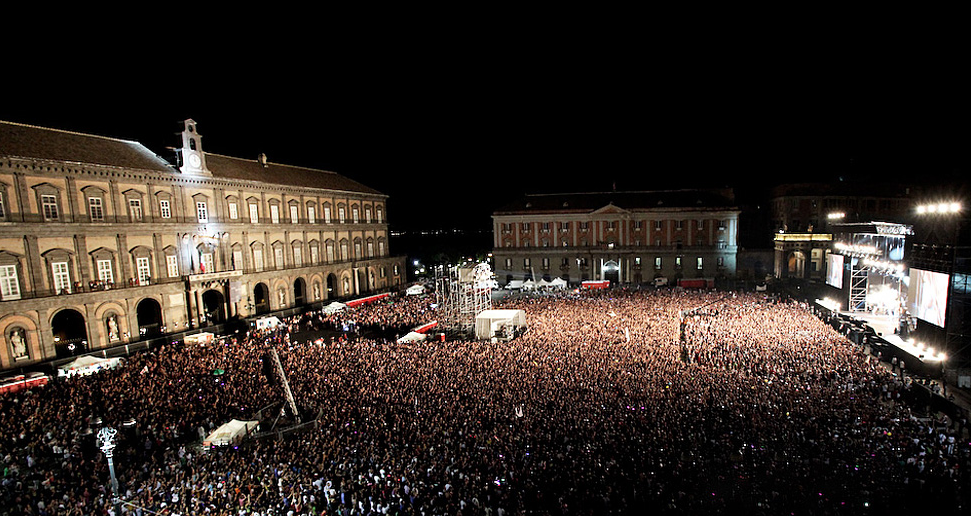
194	160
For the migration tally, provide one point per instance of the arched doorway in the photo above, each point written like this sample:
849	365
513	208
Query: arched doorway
299	292
611	271
214	306
331	286
149	315
70	333
796	264
261	298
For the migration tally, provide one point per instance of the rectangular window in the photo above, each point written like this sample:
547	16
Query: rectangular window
258	259
49	205
357	249
233	211
546	263
314	255
2	211
9	284
96	209
311	215
564	226
340	215
584	225
678	224
237	259
104	271
330	253
208	265
508	263
135	209
657	263
326	214
278	257
525	227
546	227
143	271
677	262
355	214
721	261
165	209
344	253
637	261
254	214
294	215
274	214
370	249
202	211
62	279
297	256
527	262
380	215
701	263
367	214
381	248
172	265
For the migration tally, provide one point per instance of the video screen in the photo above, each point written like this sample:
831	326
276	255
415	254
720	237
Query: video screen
928	295
834	270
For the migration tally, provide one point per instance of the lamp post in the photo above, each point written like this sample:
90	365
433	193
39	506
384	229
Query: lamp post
106	441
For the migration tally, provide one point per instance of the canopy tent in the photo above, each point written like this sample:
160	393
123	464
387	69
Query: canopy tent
558	283
230	433
412	336
542	283
425	327
529	285
265	323
86	365
488	322
199	338
415	290
333	308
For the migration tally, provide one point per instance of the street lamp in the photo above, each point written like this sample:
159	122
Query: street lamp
106	441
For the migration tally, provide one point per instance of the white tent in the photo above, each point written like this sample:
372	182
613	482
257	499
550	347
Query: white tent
487	322
231	432
86	365
415	290
542	283
412	336
558	283
333	307
529	285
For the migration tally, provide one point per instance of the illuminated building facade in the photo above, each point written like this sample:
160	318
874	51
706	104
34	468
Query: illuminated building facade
623	237
102	242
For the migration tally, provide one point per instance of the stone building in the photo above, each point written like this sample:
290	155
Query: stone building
103	242
623	237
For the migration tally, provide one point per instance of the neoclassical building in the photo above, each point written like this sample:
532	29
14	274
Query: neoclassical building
624	237
103	242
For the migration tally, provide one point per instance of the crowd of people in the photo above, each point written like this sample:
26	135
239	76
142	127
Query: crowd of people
612	402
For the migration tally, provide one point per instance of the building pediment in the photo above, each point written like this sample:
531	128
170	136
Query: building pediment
610	209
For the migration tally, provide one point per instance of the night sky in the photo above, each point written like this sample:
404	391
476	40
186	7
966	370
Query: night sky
452	128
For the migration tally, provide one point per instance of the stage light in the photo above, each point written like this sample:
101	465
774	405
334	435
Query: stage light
921	210
955	207
932	208
943	207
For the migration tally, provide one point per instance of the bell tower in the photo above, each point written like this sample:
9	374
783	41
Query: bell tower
193	160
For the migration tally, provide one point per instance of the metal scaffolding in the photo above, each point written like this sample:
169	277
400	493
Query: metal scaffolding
462	293
859	282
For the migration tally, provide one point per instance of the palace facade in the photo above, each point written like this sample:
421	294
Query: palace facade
623	237
103	242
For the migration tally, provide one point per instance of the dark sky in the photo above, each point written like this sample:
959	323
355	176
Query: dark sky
452	127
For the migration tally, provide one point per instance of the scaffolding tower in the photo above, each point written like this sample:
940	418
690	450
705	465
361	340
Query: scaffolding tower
859	282
462	293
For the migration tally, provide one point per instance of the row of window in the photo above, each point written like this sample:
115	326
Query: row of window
582	262
50	210
202	262
609	225
719	244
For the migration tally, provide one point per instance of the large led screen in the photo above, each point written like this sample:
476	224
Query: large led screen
928	295
834	270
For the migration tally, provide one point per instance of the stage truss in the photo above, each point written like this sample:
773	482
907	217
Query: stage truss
462	293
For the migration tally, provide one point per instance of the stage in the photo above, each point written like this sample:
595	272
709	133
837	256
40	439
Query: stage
880	331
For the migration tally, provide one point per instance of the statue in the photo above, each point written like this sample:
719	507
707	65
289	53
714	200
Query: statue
18	344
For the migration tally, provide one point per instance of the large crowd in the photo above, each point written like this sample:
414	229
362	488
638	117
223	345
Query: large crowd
615	402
